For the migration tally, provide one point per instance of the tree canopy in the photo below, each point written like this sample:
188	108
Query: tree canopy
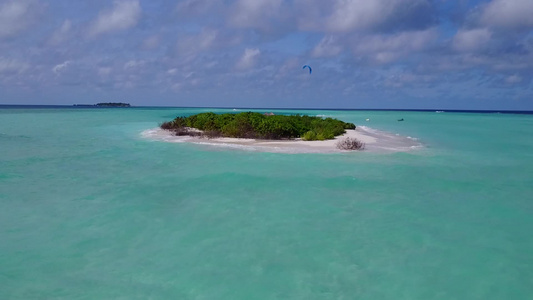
260	126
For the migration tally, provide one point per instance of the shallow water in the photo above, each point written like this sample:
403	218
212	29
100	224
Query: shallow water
91	209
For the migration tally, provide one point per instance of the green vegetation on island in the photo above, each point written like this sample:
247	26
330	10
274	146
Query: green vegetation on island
258	126
113	104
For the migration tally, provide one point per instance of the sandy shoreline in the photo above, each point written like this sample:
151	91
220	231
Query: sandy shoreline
375	141
299	143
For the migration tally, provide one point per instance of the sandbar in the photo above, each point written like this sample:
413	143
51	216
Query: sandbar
375	141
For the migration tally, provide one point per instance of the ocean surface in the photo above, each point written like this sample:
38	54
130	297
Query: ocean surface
90	208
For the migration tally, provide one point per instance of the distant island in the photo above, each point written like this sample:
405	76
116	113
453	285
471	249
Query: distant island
253	125
105	104
113	104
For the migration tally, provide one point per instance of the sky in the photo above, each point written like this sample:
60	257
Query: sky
410	54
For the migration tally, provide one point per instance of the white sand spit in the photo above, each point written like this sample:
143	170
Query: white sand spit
375	141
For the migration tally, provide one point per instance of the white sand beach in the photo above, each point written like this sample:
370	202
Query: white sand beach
375	141
320	146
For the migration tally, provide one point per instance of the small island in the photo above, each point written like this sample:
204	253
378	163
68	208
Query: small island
113	104
104	104
254	125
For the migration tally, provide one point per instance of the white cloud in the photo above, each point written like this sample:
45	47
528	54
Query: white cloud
60	67
288	67
8	65
61	34
104	71
407	78
178	86
192	44
387	48
132	64
256	13
195	6
151	42
349	15
470	40
16	16
124	15
513	79
248	59
508	14
362	15
328	46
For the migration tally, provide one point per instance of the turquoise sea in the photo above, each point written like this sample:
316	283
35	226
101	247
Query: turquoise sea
92	209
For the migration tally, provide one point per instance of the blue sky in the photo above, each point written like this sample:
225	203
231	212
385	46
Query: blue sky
250	53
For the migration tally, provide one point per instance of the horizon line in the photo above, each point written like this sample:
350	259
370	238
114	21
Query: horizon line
278	108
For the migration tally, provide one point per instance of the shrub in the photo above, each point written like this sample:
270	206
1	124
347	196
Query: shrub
231	129
309	136
166	125
277	127
223	119
204	121
190	121
185	131
328	135
350	144
349	126
212	134
179	122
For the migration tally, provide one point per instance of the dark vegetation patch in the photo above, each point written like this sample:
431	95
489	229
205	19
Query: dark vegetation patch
350	144
113	104
258	126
